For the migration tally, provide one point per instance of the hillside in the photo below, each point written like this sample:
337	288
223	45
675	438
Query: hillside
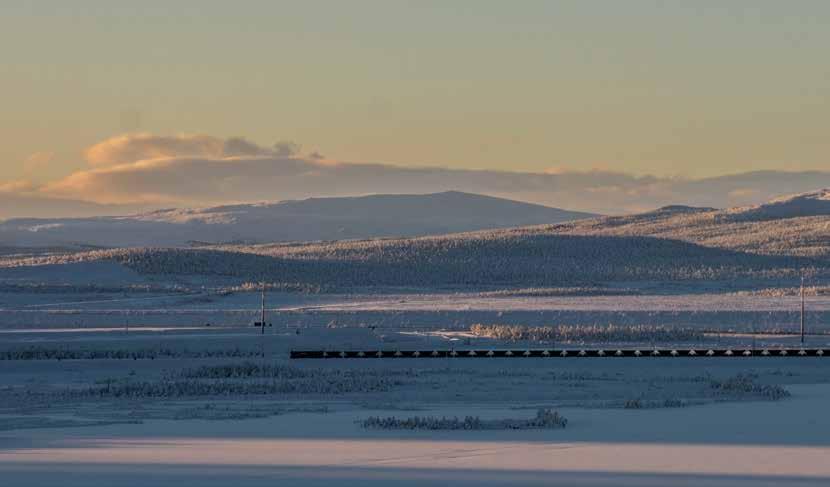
524	258
304	220
763	245
797	225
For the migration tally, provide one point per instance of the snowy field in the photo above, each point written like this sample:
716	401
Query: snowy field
435	311
134	388
722	444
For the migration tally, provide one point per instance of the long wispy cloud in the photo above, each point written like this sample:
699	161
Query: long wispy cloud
131	148
152	170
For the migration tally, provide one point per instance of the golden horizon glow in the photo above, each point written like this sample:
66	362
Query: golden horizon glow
692	89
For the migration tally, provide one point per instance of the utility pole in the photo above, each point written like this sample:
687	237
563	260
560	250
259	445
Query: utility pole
802	309
262	316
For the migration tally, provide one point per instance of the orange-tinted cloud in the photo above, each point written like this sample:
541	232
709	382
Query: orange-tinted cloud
130	148
200	170
19	186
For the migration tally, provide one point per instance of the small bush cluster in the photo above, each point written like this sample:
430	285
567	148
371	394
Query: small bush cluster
248	370
286	287
633	404
592	333
641	404
196	388
780	292
745	385
214	412
244	370
544	419
43	353
58	288
243	380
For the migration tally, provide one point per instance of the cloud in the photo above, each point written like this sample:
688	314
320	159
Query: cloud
130	148
37	161
19	186
238	147
200	170
286	148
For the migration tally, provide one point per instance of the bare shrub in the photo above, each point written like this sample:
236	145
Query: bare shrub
46	353
197	388
246	370
544	419
743	385
633	404
593	333
653	404
242	380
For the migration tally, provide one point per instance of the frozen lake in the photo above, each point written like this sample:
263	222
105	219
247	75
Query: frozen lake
731	444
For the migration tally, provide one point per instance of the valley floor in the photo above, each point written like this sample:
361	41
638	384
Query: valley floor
728	444
136	390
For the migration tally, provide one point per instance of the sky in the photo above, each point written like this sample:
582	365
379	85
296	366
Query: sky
649	89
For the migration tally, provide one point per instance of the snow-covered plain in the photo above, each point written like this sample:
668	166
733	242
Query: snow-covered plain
730	444
103	386
146	403
454	311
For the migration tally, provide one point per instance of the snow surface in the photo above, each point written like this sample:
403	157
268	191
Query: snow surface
313	439
723	445
413	312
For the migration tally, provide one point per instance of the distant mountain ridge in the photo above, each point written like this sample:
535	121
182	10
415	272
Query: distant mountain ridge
294	220
42	207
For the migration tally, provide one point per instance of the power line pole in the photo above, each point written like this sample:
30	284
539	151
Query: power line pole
802	309
262	316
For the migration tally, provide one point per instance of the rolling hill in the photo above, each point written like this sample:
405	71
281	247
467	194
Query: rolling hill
303	220
759	246
526	257
797	225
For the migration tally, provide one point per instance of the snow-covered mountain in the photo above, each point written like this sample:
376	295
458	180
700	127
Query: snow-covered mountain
302	220
16	204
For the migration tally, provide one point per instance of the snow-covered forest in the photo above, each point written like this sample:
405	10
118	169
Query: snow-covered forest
508	259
